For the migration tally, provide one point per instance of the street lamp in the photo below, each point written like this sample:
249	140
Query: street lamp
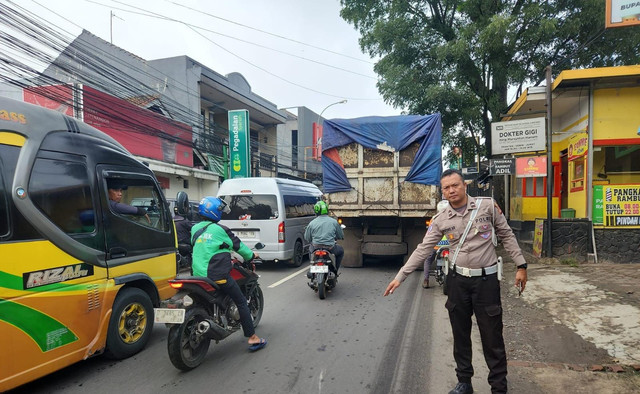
325	108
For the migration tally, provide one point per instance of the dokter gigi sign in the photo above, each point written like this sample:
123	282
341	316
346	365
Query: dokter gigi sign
515	136
621	205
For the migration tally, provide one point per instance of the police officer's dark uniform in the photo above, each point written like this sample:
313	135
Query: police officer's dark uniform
473	286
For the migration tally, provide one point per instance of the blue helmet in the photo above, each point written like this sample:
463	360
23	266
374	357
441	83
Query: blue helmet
212	208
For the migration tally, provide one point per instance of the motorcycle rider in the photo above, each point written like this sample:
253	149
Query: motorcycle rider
323	231
183	231
213	244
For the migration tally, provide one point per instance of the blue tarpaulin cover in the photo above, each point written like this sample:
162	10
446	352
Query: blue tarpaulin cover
391	133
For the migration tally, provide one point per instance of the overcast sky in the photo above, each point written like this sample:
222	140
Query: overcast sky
264	40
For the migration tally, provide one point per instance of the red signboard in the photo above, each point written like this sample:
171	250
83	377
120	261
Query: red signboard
141	131
534	166
56	97
317	142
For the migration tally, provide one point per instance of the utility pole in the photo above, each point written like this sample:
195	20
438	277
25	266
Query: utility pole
549	165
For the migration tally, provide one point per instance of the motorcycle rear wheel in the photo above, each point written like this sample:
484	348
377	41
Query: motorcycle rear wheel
186	350
322	289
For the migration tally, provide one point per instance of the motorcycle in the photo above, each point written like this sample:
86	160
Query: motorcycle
199	313
322	272
442	263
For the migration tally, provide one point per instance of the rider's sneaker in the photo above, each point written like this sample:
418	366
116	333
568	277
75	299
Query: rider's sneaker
462	388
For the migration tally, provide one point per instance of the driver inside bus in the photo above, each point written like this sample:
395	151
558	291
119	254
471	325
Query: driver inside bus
115	196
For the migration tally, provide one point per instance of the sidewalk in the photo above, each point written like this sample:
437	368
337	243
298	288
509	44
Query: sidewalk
576	327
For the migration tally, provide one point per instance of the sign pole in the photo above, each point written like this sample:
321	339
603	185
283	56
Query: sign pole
549	166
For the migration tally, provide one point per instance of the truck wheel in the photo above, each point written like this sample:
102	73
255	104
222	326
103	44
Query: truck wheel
298	254
130	324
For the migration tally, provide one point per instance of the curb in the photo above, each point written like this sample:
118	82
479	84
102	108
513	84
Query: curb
616	368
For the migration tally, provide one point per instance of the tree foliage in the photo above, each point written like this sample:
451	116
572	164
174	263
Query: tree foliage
461	58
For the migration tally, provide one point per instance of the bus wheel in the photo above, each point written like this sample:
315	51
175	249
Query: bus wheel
298	254
130	325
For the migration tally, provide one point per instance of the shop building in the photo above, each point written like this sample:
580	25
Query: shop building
595	153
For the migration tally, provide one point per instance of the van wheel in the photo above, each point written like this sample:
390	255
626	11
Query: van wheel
298	254
130	325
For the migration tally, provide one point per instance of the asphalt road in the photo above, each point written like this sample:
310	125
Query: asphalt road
355	341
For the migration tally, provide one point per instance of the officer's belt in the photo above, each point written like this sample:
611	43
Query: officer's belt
469	272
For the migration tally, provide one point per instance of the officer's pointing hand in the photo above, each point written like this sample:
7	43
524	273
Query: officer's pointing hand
521	279
394	284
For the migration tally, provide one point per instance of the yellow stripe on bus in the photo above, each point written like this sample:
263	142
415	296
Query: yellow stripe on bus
14	139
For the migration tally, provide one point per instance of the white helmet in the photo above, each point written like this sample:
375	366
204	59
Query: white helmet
442	205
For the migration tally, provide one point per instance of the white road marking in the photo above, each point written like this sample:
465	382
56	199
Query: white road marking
281	281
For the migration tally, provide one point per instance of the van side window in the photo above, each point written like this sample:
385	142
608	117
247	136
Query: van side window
299	206
251	206
61	190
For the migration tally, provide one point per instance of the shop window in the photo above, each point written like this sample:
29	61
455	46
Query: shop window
577	174
534	187
622	159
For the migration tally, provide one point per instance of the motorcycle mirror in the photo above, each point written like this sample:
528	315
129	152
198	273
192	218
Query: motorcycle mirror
182	203
259	245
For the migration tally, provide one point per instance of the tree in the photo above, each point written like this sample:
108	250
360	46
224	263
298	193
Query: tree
462	57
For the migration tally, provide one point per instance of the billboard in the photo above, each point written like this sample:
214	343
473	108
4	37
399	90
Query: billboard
239	149
534	166
620	13
515	136
622	206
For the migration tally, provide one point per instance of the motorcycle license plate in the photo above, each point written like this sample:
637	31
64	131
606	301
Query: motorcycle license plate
167	315
319	269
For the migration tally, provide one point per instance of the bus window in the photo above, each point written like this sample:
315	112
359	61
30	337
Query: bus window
61	190
13	226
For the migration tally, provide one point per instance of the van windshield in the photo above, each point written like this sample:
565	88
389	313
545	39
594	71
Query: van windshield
254	207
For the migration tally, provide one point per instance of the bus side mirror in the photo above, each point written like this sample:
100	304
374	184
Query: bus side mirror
182	203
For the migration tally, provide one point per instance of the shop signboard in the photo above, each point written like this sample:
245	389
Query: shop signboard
538	237
621	205
239	150
502	166
598	207
578	146
532	166
621	13
514	136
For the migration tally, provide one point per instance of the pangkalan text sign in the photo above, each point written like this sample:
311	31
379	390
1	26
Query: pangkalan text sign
621	205
515	136
620	13
502	166
528	167
239	149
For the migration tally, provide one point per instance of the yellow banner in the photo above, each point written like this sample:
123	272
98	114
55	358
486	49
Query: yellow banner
622	206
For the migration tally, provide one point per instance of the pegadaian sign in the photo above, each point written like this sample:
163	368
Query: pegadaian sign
516	136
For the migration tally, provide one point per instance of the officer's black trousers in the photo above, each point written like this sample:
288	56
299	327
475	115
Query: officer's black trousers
479	295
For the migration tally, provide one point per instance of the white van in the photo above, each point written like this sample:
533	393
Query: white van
274	211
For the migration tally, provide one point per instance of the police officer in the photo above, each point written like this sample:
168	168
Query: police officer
473	286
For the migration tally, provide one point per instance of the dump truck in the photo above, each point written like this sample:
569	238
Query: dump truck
381	177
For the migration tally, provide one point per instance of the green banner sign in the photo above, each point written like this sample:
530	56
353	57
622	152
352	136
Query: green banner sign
598	205
239	149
